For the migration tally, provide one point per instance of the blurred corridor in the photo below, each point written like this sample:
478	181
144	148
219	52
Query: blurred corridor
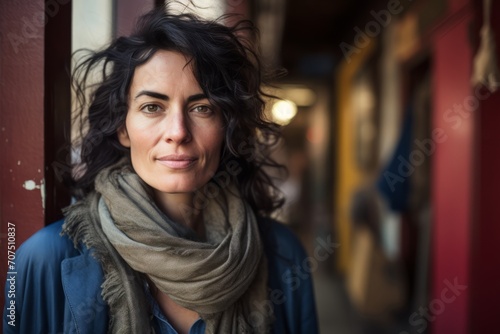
390	114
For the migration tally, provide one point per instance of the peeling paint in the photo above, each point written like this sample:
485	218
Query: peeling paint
31	185
42	192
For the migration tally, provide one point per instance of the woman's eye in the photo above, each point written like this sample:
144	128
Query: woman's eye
202	109
151	108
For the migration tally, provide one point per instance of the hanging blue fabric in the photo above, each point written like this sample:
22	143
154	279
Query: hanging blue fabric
394	180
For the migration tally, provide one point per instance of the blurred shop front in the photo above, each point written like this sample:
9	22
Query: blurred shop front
400	147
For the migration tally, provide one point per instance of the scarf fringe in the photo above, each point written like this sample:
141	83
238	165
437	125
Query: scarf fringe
79	227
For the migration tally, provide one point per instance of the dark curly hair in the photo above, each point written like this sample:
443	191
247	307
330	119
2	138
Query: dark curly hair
228	71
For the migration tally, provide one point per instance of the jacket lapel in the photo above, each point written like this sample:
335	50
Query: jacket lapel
85	311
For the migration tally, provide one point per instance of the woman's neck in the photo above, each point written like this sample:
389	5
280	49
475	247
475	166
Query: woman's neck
179	208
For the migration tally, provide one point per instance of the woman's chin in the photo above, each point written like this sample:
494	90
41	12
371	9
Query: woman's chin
186	190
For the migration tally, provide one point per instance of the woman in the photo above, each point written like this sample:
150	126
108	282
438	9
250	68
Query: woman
169	234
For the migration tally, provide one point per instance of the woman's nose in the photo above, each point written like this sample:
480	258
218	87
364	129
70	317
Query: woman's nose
177	127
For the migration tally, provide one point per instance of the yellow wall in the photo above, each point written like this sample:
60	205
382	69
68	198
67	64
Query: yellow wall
349	176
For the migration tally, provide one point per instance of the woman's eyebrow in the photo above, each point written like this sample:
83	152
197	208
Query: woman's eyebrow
152	94
196	97
156	95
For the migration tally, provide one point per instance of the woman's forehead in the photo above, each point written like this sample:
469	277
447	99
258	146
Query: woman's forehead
165	70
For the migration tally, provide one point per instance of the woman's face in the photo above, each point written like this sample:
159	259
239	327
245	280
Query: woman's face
174	134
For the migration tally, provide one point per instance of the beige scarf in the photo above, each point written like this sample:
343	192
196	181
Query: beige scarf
223	279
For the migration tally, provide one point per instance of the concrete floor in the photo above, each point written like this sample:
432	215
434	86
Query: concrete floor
335	314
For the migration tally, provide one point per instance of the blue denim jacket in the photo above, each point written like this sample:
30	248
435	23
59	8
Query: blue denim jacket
58	287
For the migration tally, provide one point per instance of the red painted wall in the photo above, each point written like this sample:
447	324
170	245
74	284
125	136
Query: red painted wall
485	269
21	120
127	12
21	116
452	175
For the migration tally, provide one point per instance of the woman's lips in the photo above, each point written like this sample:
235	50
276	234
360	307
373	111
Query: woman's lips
177	161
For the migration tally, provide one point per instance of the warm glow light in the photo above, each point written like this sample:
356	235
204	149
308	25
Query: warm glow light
301	95
283	111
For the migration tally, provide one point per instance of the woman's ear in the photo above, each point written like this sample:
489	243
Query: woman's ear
123	137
